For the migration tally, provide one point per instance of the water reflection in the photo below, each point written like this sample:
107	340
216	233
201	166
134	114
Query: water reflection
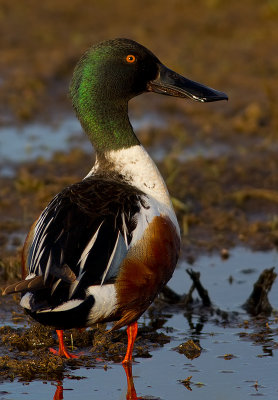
59	394
130	392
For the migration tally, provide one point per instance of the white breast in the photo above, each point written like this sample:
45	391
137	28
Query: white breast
136	166
139	170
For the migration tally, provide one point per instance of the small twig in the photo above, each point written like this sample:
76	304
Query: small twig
174	298
258	302
171	296
187	298
203	293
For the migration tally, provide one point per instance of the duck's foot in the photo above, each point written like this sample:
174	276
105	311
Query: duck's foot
63	351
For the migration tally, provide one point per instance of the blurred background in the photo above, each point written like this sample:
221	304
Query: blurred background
219	159
228	45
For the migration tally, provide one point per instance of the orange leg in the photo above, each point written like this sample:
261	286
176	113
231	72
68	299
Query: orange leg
63	351
131	335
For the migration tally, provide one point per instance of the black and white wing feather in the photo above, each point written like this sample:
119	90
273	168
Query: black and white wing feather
82	237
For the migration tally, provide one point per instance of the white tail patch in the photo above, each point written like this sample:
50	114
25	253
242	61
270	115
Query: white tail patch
68	305
25	301
105	302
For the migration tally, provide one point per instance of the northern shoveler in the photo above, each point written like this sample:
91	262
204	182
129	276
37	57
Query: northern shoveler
104	247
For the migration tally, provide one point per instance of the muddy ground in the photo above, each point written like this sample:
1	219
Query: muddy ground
220	160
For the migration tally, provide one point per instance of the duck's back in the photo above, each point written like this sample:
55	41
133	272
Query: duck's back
104	249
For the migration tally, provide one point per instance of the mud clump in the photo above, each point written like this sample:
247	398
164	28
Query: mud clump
39	366
26	352
190	349
36	337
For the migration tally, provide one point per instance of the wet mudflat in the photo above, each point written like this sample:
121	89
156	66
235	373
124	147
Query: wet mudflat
238	356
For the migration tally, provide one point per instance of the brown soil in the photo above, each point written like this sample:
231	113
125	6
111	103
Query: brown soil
25	351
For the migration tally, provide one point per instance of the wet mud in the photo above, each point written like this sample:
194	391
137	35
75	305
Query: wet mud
25	351
25	346
217	204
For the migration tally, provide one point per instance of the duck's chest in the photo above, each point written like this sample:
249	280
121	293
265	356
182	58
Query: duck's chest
138	169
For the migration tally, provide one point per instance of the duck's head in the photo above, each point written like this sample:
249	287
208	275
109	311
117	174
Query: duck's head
121	69
109	75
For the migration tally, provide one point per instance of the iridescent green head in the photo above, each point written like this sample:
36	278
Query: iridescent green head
109	75
116	70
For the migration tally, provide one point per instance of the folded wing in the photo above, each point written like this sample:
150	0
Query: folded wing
80	240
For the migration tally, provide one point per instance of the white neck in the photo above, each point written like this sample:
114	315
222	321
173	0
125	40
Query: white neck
139	170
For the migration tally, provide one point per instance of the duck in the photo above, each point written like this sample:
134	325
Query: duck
104	247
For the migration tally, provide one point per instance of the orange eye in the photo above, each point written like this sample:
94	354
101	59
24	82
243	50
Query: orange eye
130	58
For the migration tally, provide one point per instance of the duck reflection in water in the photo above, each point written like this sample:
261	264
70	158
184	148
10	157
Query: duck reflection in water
130	393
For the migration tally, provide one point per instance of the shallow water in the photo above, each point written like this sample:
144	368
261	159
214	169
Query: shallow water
40	139
250	370
24	143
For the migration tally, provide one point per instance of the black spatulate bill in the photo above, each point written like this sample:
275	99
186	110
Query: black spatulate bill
170	83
